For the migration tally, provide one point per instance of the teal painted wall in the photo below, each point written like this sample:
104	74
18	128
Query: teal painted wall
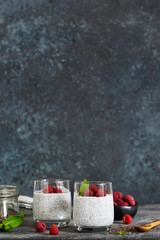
80	93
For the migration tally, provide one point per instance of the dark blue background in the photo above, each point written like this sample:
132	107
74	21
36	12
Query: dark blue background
80	93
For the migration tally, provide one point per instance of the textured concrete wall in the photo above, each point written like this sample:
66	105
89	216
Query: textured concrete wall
80	93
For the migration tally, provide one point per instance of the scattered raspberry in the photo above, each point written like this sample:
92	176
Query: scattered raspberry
100	193
120	195
127	219
124	204
88	193
119	202
49	189
115	204
115	196
54	230
93	188
57	190
129	199
40	227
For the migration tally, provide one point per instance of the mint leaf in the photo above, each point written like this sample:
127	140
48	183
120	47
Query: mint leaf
122	233
84	187
7	228
85	181
13	221
2	227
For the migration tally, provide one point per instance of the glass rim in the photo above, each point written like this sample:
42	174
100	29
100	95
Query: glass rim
95	182
51	180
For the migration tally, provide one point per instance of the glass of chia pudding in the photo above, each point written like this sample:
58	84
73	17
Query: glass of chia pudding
52	202
93	205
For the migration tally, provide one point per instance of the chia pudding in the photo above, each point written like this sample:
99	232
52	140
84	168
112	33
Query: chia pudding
93	211
52	206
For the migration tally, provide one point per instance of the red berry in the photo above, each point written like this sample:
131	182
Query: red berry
57	190
93	188
40	227
54	230
119	202
108	192
120	195
100	193
115	196
105	193
115	204
124	204
88	193
127	219
129	199
49	189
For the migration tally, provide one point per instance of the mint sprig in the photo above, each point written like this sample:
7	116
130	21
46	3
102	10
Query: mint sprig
11	222
83	187
123	233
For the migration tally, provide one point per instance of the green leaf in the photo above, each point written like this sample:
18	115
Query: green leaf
1	225
13	221
122	233
7	228
84	187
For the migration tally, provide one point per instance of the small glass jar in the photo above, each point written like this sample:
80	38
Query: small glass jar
8	201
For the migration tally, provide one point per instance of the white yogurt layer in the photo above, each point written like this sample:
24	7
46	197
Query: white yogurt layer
52	206
93	211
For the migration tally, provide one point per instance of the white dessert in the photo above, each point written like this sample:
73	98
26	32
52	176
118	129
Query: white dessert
52	206
93	211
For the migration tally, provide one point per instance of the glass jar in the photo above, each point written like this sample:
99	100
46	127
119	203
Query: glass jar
8	201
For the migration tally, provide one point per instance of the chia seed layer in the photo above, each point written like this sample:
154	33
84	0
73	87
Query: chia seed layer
9	213
52	206
93	211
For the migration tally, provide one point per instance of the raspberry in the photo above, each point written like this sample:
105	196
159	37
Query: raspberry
129	199
88	193
49	189
119	202
115	196
120	195
40	227
93	188
57	190
108	192
124	204
100	193
54	230
105	193
127	219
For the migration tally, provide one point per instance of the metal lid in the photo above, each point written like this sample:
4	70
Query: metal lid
8	191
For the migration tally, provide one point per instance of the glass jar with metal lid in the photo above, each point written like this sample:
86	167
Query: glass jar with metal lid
8	201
